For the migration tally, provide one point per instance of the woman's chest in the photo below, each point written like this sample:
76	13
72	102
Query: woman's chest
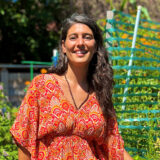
58	117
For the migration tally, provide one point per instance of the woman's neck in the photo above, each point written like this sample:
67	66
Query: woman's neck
77	75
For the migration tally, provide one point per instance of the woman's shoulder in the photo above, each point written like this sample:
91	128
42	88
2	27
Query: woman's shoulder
44	77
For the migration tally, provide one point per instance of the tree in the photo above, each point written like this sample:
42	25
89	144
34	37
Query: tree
29	29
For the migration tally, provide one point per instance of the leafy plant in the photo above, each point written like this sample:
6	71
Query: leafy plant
30	28
139	116
8	150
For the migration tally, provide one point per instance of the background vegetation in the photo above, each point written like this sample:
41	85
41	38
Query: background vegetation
139	114
8	150
29	29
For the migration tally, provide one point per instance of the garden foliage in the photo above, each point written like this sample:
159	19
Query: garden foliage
8	150
30	28
139	114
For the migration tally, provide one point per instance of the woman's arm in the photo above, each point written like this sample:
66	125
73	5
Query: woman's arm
127	156
23	154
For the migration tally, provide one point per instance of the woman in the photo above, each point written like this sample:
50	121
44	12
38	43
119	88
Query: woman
68	113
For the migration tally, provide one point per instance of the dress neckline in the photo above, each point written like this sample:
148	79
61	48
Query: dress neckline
77	109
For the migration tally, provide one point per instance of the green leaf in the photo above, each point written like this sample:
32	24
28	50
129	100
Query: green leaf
146	13
2	12
132	1
123	4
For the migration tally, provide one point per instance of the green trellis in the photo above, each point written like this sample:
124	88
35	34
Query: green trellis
140	120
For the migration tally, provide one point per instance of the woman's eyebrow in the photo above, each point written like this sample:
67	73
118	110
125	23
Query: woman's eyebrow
90	34
72	34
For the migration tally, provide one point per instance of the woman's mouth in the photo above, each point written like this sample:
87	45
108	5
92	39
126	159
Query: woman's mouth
80	52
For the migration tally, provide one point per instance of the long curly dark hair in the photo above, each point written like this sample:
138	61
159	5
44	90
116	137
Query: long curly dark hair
100	73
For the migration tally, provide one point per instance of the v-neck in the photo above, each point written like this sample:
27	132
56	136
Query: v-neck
64	97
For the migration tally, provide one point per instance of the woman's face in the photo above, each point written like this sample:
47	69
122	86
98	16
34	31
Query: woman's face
79	45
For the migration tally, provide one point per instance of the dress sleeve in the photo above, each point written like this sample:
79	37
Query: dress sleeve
24	129
113	144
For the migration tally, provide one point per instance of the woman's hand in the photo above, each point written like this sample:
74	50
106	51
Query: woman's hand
127	156
23	154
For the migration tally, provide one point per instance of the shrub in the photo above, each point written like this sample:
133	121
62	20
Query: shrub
8	150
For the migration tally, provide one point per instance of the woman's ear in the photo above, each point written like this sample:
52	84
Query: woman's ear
63	46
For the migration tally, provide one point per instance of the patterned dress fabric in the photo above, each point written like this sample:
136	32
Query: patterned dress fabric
51	128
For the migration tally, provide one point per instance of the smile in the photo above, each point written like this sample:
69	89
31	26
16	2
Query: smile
80	52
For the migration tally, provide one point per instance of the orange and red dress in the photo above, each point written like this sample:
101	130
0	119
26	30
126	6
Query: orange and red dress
51	128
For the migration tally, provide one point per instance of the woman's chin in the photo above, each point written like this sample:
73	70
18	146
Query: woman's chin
79	62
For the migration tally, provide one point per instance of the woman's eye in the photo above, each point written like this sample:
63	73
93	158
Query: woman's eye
72	38
88	37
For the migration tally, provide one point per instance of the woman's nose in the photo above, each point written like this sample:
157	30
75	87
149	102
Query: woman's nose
80	41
